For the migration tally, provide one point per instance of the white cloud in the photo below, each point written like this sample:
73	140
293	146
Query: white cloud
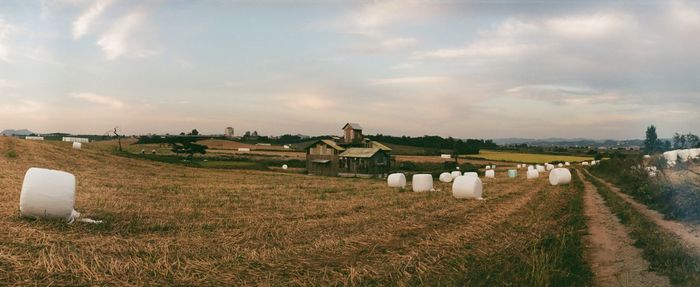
588	26
6	30
309	101
561	94
82	25
489	48
22	107
99	99
120	39
410	80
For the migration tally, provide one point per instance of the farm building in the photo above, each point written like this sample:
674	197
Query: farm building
353	156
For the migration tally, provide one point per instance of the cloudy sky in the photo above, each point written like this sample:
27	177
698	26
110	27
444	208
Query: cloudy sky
468	69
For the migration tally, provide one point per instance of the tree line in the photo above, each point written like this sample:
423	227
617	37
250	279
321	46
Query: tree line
653	144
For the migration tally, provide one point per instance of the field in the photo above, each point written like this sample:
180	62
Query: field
169	224
527	157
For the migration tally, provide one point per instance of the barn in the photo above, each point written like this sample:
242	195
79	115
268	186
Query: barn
353	155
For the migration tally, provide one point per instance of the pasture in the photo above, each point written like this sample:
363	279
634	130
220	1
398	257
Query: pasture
175	225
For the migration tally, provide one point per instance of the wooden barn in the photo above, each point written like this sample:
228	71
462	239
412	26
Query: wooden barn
352	156
322	158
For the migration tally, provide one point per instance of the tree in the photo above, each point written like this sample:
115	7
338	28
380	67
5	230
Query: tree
679	141
188	147
194	132
115	132
651	143
693	141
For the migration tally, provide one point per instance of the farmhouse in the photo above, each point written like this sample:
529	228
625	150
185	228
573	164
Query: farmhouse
350	156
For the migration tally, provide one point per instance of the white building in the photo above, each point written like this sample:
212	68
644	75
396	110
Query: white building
228	132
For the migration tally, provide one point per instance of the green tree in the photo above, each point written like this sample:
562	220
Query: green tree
652	143
194	132
188	147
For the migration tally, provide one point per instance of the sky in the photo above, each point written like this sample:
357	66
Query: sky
466	69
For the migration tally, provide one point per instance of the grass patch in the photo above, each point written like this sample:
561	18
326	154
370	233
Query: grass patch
11	154
664	253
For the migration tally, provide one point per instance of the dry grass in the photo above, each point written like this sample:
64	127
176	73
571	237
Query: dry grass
173	225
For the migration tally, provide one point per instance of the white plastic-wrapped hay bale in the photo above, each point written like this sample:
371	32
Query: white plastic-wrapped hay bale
593	162
671	156
493	166
560	165
471	174
422	182
567	163
445	177
490	174
487	167
532	174
396	180
285	167
584	163
560	176
540	168
531	167
684	155
647	156
47	194
456	174
549	167
465	187
153	152
77	145
512	173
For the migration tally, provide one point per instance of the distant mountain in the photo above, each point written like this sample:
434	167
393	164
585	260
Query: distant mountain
564	142
22	132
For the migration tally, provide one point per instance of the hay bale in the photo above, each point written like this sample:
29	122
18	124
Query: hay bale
467	187
445	177
532	174
487	167
512	173
456	174
422	182
584	163
397	180
153	152
285	167
560	165
560	176
647	156
540	168
531	167
77	145
471	174
567	163
549	167
47	194
490	174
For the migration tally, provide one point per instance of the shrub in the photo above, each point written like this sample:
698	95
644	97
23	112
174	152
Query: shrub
11	154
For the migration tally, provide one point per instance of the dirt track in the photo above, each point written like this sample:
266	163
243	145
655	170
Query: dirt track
687	232
609	249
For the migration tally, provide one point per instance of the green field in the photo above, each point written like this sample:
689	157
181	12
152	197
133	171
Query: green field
527	157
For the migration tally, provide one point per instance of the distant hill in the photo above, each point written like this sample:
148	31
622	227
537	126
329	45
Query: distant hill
22	132
570	142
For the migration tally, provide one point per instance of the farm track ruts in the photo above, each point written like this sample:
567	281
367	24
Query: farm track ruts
609	248
688	233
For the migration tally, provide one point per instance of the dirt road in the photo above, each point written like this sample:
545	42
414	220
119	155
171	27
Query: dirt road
609	249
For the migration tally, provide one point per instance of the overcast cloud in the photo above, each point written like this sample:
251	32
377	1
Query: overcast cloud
463	69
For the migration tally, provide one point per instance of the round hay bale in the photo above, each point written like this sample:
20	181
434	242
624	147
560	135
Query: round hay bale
532	174
549	167
396	180
487	167
560	176
584	163
456	174
471	174
47	194
560	165
445	177
285	167
512	173
490	174
77	145
466	187
422	182
531	167
540	168
647	156
567	163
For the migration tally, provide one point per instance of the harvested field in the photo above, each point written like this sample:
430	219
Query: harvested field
174	225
